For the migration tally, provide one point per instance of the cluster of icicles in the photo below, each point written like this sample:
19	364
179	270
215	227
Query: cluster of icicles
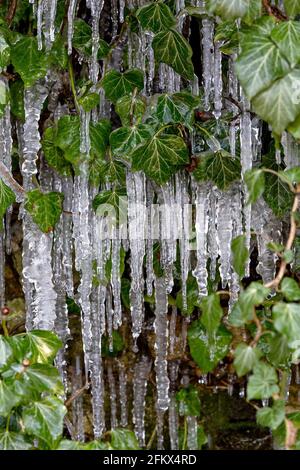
48	258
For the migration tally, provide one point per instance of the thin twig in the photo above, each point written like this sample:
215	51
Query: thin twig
11	11
77	394
272	10
258	330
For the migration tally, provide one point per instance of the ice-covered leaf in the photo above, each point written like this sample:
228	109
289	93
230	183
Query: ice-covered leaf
53	154
30	63
211	313
82	40
205	351
125	139
117	84
14	441
286	318
263	382
44	419
177	108
240	255
45	208
123	439
131	109
260	62
42	378
7	197
271	417
189	401
219	167
89	101
160	156
172	49
245	358
255	181
292	7
156	17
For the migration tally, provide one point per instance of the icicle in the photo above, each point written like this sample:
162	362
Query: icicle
40	11
173	407
192	438
208	59
237	229
149	242
67	249
123	395
291	150
140	378
71	17
170	213
112	397
172	329
160	429
121	10
161	345
109	318
218	81
77	404
137	225
53	5
116	279
201	226
96	9
224	235
212	231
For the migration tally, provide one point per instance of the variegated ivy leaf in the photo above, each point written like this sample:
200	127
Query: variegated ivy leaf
232	8
172	49
286	35
292	7
45	209
131	109
178	107
7	197
156	17
117	84
160	157
261	62
125	139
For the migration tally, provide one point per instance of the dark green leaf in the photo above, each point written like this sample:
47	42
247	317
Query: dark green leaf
131	109
245	358
30	63
171	48
240	255
45	209
219	167
279	354
189	402
122	439
7	197
82	40
287	319
177	108
89	101
53	154
156	17
271	417
277	194
43	377
242	311
68	138
125	139
290	289
117	84
5	350
262	383
8	398
58	53
286	35
17	99
211	313
292	7
230	8
255	181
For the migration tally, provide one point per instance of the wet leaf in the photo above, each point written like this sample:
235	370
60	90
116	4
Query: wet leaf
220	168
156	17
262	383
189	402
117	84
30	63
125	139
240	255
45	208
212	313
245	358
7	198
122	439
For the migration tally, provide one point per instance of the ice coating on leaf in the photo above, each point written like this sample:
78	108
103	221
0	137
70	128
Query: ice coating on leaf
140	380
161	345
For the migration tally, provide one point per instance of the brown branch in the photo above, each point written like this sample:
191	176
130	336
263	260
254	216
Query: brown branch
11	11
273	10
77	394
9	180
259	330
293	230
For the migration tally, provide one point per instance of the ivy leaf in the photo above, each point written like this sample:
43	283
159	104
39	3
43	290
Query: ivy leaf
286	35
125	139
292	175
262	383
192	297
117	84
8	399
53	154
271	417
82	40
156	17
7	198
41	346
131	109
44	419
292	7
4	53
260	62
279	354
89	101
43	377
160	157
177	108
5	350
219	167
287	319
245	358
45	209
115	171
99	135
279	105
230	8
189	402
30	63
14	441
58	53
240	255
211	313
122	439
112	199
290	289
171	48
242	311
205	351
276	194
16	92
255	181
67	138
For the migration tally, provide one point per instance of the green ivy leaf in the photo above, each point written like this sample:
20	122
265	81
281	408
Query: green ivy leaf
211	313
7	198
271	417
290	289
113	198
4	53
287	319
176	108
117	84
53	154
286	36
219	167
122	439
89	101
262	383
42	378
14	441
277	193
292	7
292	175
171	48
30	63
67	138
245	358
66	444
242	311
156	17
58	53
82	40
255	181
160	157
41	346
189	402
205	351
45	209
279	354
5	350
44	419
125	139
131	109
16	92
8	399
240	255
97	445
230	8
